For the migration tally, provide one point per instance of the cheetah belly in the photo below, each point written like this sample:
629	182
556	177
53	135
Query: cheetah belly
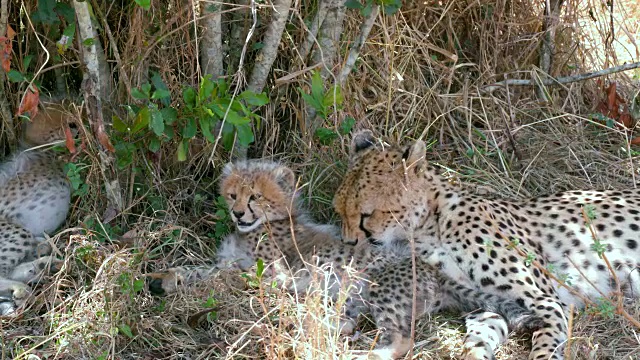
40	207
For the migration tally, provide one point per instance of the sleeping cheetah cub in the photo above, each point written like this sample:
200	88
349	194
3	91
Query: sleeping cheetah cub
271	225
34	200
518	249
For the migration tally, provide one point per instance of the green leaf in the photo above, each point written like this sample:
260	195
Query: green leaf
66	11
157	122
146	89
313	102
126	330
88	42
138	285
139	94
190	128
317	88
15	76
347	125
154	145
142	120
169	132
333	96
161	94
46	13
259	268
119	125
353	4
228	136
257	46
183	148
189	97
161	87
245	134
206	87
27	61
145	4
254	99
206	128
326	136
170	115
367	9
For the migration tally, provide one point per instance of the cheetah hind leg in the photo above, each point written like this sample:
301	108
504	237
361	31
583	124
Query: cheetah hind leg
485	332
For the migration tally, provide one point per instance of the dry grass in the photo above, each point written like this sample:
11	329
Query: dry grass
406	85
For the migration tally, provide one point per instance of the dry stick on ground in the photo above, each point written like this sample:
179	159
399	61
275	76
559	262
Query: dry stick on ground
563	80
552	10
354	52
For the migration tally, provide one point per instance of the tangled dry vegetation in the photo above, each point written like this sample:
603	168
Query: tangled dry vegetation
422	73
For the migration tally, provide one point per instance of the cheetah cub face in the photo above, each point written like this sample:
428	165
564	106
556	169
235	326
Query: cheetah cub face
252	195
47	126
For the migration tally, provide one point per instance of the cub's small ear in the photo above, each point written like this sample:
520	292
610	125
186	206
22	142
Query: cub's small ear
415	153
362	140
228	170
285	178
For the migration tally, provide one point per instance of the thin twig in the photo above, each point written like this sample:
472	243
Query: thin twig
563	80
354	52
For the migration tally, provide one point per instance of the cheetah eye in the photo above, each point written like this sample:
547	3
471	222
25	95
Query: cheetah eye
232	196
365	215
255	197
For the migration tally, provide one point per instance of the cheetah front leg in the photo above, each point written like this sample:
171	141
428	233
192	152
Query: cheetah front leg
13	294
169	281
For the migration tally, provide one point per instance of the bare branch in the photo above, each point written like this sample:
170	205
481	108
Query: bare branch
354	52
563	80
271	41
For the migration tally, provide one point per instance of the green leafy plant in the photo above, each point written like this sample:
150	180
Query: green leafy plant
75	174
389	7
326	136
156	123
322	100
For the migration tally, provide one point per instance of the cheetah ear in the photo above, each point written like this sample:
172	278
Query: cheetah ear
228	170
362	140
285	178
415	153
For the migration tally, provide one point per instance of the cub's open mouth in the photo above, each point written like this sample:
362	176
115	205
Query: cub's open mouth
242	224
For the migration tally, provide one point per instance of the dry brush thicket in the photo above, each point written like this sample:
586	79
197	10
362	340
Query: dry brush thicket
425	71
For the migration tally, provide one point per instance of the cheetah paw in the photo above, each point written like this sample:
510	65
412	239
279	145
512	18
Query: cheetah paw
166	282
14	296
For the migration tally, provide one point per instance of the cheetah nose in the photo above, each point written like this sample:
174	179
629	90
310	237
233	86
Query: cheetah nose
238	214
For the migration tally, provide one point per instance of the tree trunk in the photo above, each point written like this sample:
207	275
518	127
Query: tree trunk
211	54
96	88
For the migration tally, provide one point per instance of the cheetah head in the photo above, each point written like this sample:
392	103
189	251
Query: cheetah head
380	200
48	126
257	192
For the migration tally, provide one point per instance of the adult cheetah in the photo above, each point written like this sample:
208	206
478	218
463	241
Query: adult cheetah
505	247
34	200
271	225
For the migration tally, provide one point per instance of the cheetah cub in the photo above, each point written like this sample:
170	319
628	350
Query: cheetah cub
518	249
271	225
34	200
